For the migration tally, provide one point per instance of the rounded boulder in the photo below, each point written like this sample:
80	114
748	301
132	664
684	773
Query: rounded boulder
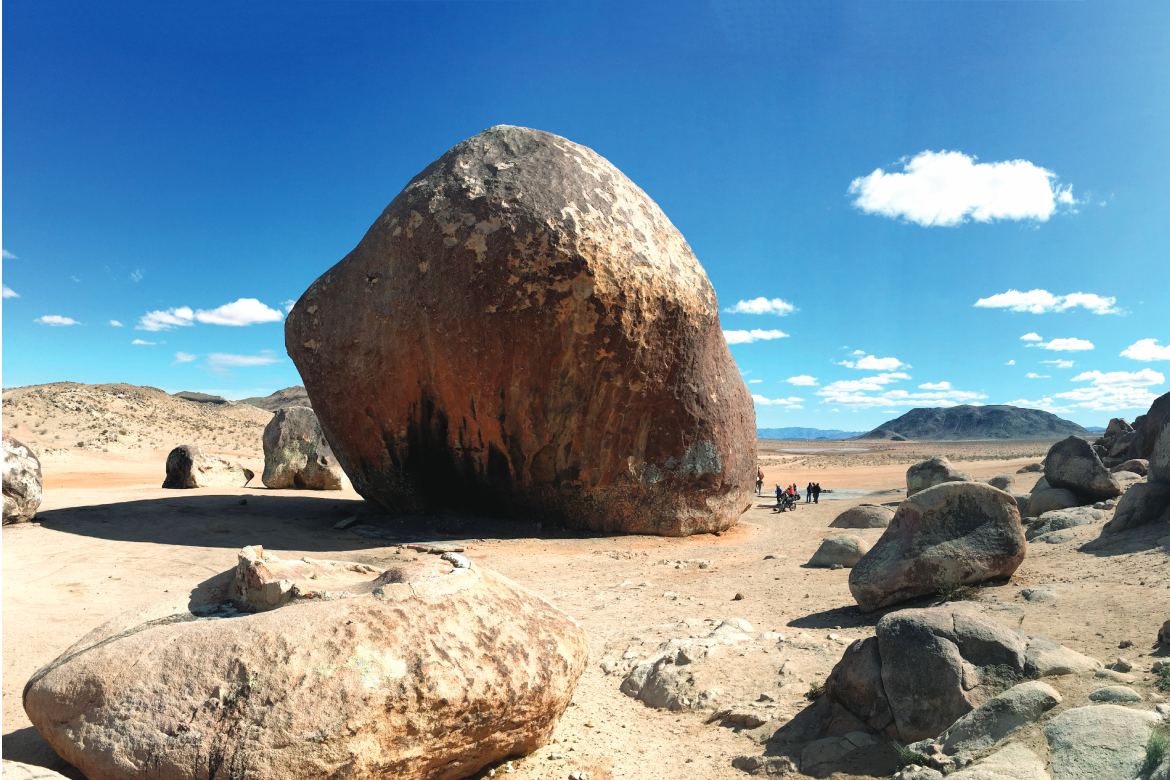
523	330
839	551
22	481
931	472
957	533
864	516
296	454
1072	464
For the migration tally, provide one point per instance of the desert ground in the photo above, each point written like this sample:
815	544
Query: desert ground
108	538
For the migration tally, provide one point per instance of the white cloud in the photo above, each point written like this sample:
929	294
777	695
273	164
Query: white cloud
143	343
56	320
872	392
1065	345
948	188
238	313
1033	336
792	402
762	305
802	380
185	357
1034	375
115	324
1010	363
755	334
871	363
10	293
1144	350
1102	391
136	275
288	306
8	255
1059	363
1043	302
220	360
755	381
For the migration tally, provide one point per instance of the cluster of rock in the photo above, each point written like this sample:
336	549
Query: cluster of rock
1149	501
433	667
188	467
296	454
524	330
1123	442
22	481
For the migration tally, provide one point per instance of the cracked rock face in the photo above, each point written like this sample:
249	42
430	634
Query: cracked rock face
296	454
523	329
22	482
424	667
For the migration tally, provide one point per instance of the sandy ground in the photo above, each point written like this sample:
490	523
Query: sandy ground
109	538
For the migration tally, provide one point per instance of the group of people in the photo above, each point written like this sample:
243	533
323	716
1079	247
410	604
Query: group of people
812	493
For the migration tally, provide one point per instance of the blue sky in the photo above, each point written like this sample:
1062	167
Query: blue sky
876	168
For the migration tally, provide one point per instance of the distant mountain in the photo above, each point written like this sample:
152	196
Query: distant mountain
790	434
958	423
290	396
200	398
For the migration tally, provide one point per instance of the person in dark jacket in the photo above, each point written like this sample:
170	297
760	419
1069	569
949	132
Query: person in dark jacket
816	491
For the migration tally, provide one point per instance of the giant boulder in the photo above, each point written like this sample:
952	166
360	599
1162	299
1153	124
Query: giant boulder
434	668
523	330
1148	426
22	481
952	534
931	472
1072	464
296	454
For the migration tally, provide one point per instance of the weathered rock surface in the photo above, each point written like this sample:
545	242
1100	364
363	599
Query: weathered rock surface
1011	762
1159	461
15	770
1137	466
433	669
843	551
1148	426
1144	503
1047	499
296	454
999	717
666	680
924	669
1120	694
1046	658
524	330
1060	519
952	534
1002	481
1099	741
931	472
22	481
1072	464
1031	468
864	516
188	467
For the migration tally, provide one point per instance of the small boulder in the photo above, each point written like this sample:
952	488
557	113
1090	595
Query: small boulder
1099	741
188	467
296	454
864	516
356	674
1060	519
1002	481
999	717
1072	464
1118	694
1164	634
1138	466
1047	658
843	551
957	533
1031	468
931	472
22	481
1047	499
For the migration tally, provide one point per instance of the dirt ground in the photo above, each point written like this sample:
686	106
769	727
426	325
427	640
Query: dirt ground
108	538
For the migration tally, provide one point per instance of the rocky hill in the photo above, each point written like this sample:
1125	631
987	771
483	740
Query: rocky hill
65	416
289	396
965	423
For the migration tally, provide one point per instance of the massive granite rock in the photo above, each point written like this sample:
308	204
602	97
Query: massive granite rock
188	467
296	454
931	472
956	533
523	330
1072	464
22	481
434	668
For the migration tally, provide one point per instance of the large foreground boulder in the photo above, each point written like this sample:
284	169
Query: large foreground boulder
864	516
22	481
296	454
957	533
188	467
1073	464
523	330
434	668
931	472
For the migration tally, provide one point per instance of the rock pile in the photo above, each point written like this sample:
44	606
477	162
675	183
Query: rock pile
296	454
523	329
952	534
188	467
1147	502
22	481
432	668
1122	441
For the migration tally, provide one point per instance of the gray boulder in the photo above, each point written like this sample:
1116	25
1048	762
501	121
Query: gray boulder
1060	519
1046	499
1159	462
1031	468
931	472
1047	658
22	481
1138	466
296	454
1149	425
864	516
1144	503
1011	762
188	467
957	533
1119	694
1002	481
843	551
1072	464
1097	742
999	717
